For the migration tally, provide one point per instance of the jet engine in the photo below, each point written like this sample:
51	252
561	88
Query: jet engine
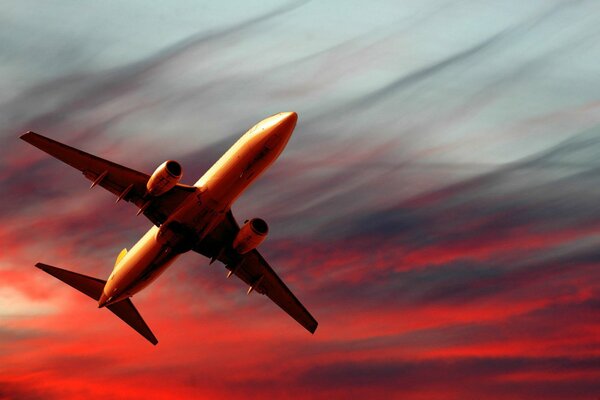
251	235
166	176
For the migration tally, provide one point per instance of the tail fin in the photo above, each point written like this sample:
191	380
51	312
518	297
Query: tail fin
122	254
93	288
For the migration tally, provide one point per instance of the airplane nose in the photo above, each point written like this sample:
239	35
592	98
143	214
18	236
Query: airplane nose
286	124
103	300
289	119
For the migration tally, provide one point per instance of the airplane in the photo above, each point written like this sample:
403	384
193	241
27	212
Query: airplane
185	218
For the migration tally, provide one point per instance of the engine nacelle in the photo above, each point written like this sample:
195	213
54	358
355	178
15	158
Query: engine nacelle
251	235
166	176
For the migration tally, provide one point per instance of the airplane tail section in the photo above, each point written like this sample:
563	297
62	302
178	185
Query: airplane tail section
87	285
93	288
122	254
129	314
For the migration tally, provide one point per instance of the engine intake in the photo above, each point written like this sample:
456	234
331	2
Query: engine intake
251	235
166	176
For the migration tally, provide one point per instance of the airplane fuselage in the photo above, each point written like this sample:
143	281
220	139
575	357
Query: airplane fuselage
215	192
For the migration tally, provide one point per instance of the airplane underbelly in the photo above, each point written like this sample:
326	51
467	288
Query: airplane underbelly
152	271
224	188
217	191
141	265
236	171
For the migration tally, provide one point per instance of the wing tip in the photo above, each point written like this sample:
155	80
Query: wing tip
27	135
151	338
42	266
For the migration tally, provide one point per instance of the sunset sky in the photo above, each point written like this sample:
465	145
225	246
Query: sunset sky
437	208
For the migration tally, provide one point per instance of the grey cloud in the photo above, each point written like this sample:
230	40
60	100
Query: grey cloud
77	92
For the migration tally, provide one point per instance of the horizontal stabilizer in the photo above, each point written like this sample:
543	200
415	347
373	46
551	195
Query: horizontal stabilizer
127	312
85	284
93	287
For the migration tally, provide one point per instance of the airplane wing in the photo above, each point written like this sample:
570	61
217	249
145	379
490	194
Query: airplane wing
253	270
126	183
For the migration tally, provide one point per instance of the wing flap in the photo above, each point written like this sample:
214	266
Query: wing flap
91	166
254	270
125	183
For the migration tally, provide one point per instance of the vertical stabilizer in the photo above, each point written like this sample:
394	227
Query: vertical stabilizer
120	256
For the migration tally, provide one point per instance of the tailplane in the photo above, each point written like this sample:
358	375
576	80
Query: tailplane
93	287
125	310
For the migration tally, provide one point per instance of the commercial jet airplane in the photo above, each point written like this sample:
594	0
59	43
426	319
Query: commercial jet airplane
185	218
